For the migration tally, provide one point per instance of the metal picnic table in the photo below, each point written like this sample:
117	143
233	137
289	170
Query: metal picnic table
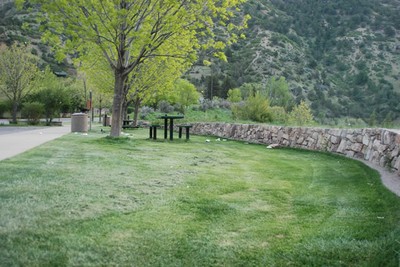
171	119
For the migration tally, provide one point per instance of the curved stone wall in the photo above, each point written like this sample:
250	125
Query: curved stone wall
378	146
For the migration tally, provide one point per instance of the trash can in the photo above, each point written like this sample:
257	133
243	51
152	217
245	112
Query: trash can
107	120
79	122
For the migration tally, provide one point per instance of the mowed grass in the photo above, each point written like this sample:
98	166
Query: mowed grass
96	201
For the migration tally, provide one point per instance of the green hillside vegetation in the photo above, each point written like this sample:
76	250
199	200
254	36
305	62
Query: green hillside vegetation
341	56
20	26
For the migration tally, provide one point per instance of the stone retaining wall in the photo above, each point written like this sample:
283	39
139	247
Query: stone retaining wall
379	146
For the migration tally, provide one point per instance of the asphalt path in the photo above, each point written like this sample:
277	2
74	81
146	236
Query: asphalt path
15	140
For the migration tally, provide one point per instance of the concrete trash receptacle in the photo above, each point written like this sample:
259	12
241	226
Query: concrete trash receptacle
106	120
79	122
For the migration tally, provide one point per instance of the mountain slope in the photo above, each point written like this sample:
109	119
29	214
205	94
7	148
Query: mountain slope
341	55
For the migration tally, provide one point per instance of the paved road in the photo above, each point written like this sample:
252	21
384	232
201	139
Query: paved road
15	140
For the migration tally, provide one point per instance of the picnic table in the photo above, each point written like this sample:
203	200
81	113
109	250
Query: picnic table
171	119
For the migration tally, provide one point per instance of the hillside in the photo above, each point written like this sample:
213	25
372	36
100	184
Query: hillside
21	26
343	56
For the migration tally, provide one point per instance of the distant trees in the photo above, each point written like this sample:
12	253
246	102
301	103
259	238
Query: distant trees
18	75
272	102
53	94
277	91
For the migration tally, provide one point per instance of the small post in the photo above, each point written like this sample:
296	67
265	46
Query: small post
91	109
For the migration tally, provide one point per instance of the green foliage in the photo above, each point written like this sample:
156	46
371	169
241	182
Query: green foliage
361	78
372	122
255	108
234	95
53	95
18	74
126	34
301	115
33	112
278	114
4	106
250	89
185	94
277	91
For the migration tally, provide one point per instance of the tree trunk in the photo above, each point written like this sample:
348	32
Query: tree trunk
125	109
14	112
119	97
138	101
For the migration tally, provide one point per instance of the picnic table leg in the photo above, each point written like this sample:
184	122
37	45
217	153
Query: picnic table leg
187	133
165	128
180	132
171	129
151	132
155	133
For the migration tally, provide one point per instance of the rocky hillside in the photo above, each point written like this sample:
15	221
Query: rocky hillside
21	26
341	55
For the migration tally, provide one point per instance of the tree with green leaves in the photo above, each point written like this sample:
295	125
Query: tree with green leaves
185	94
151	81
52	94
250	89
234	95
277	91
129	32
301	115
18	72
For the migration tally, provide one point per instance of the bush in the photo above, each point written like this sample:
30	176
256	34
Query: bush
234	95
4	106
301	115
145	111
255	108
224	104
278	114
165	107
205	104
216	102
33	112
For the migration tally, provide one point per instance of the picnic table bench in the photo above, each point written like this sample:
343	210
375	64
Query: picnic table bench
187	128
153	131
128	124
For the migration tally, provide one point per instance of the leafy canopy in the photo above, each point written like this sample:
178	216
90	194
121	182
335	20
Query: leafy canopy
129	32
18	74
142	29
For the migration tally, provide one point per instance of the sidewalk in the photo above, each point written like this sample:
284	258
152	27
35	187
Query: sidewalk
15	140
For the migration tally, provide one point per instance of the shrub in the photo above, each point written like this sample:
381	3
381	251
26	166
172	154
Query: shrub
255	108
278	114
4	106
33	112
234	95
301	115
205	104
145	111
165	107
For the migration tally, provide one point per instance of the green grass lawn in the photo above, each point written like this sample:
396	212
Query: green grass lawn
96	201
